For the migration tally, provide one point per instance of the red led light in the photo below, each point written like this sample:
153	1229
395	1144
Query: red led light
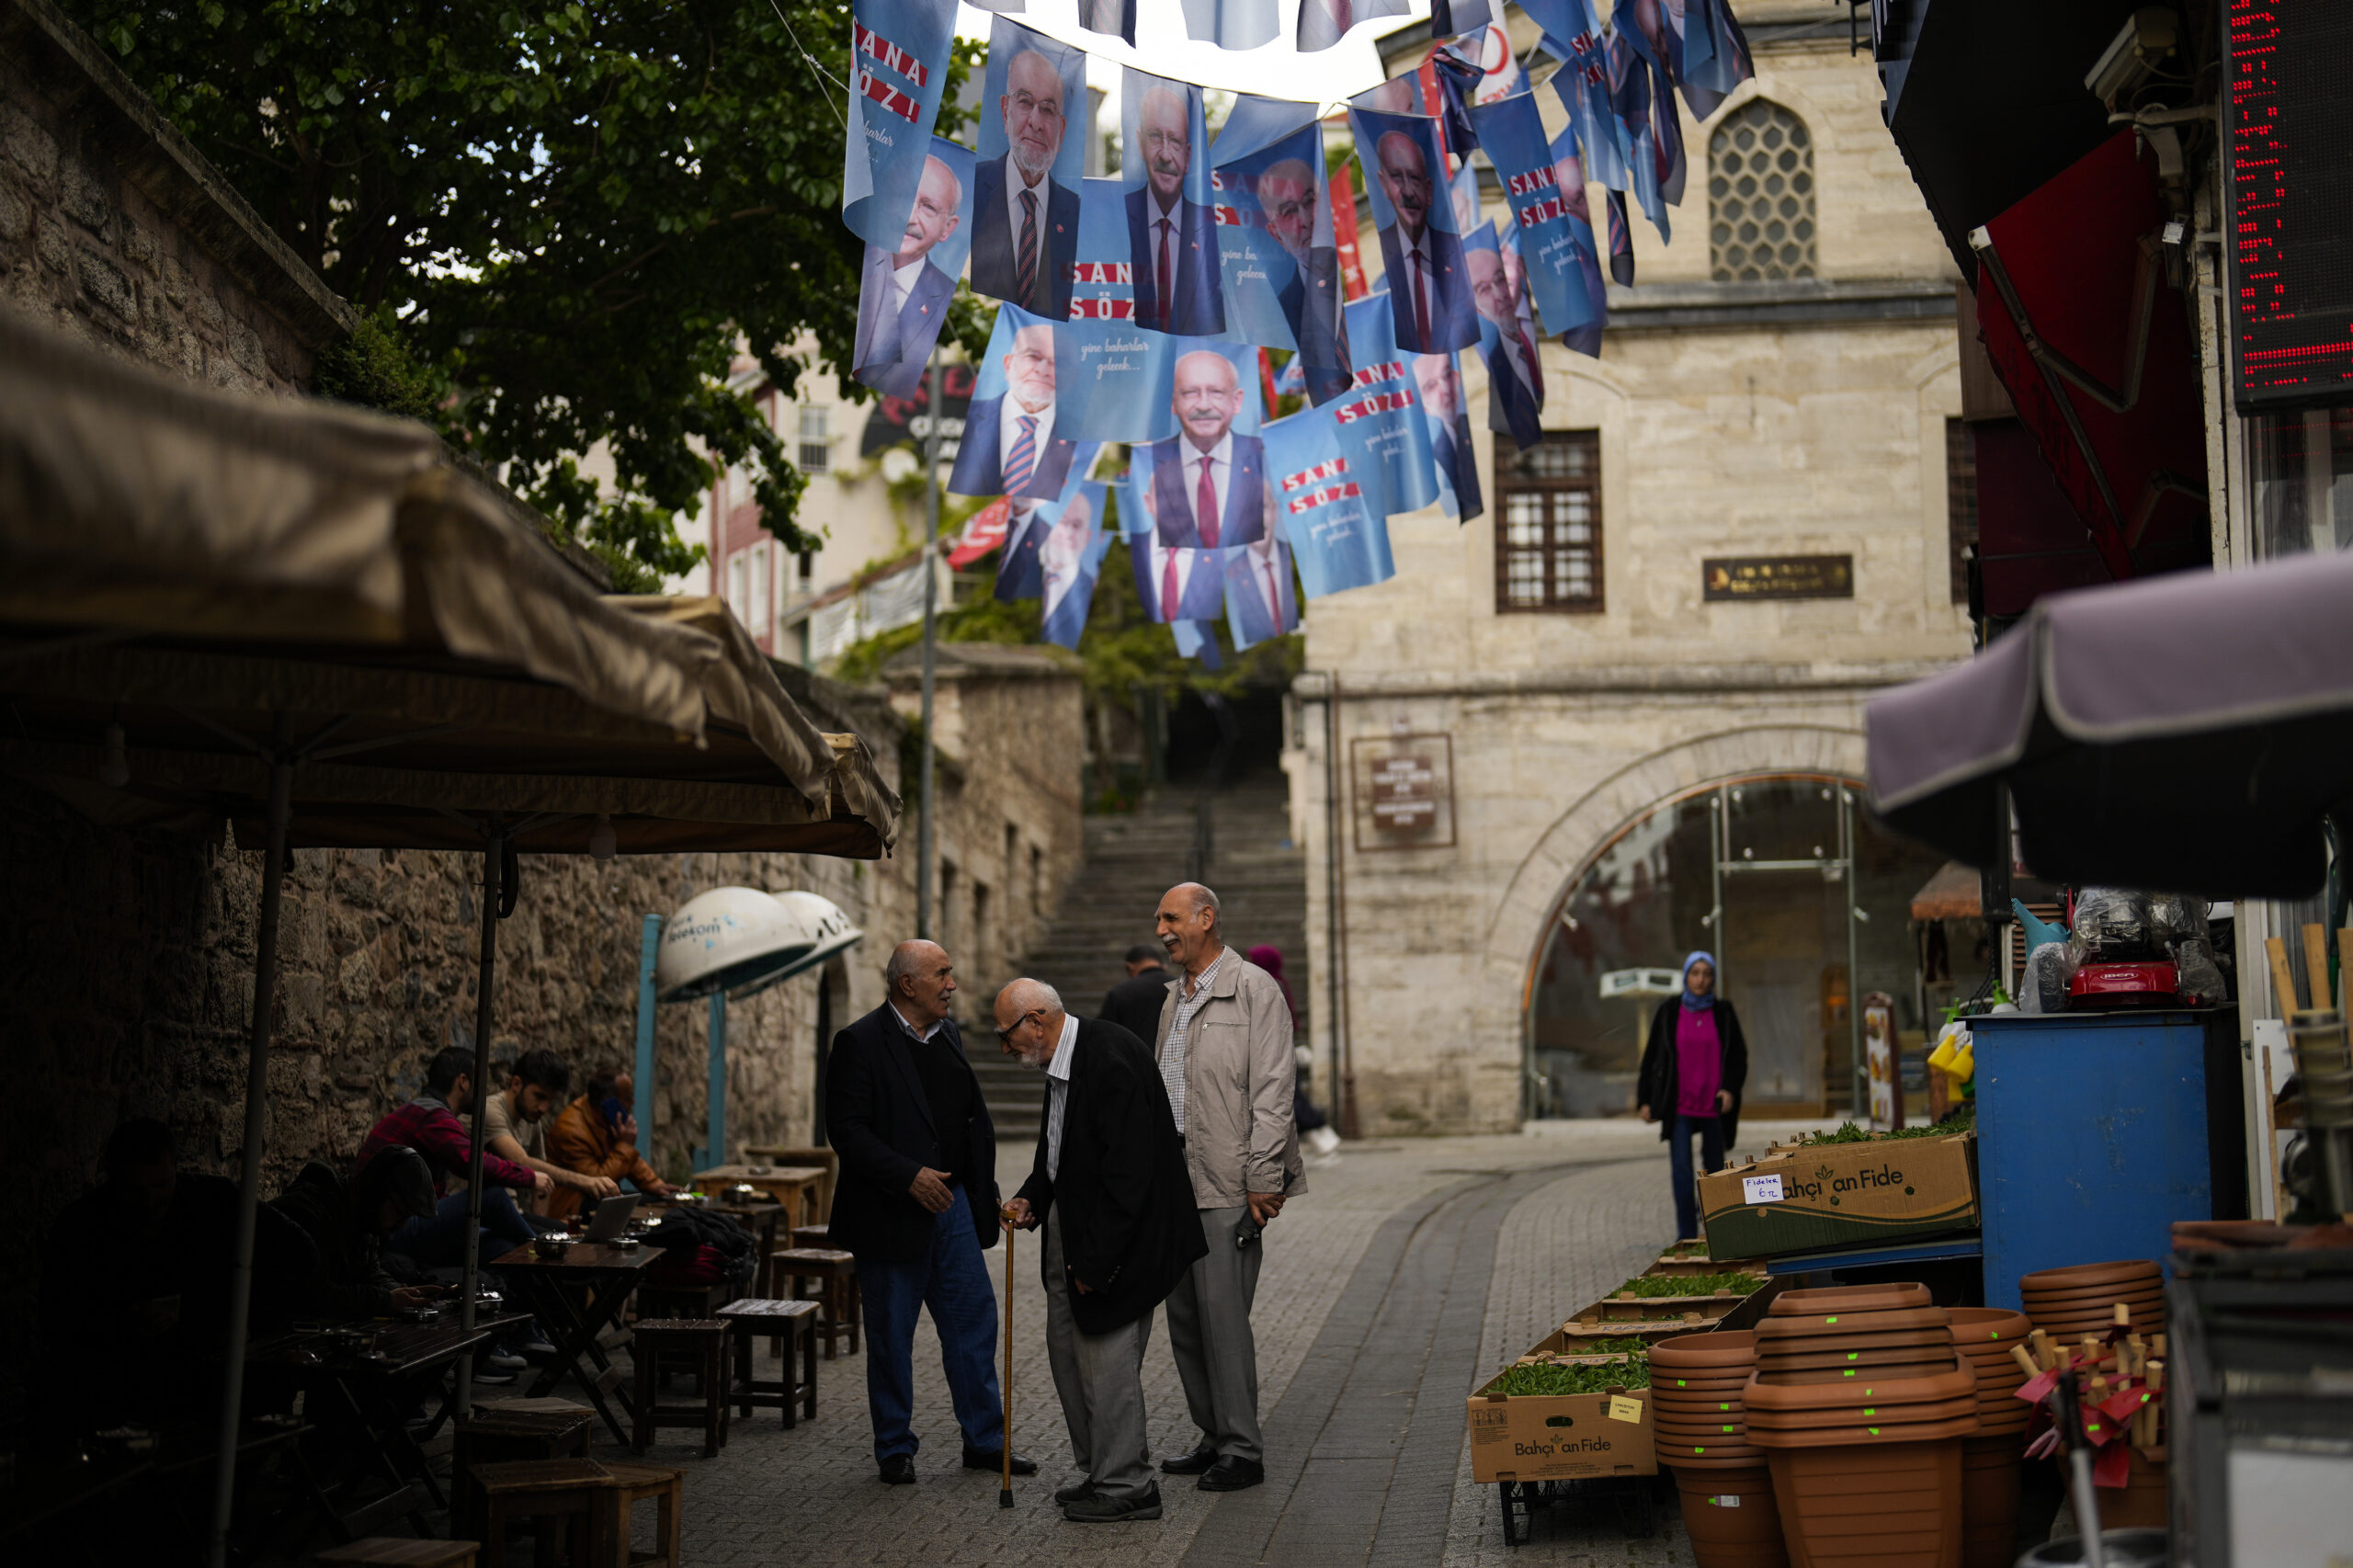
2290	224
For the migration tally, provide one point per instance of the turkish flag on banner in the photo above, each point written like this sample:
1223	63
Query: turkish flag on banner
1343	233
983	531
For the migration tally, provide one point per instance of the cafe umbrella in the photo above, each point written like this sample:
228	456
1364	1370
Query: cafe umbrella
2188	732
305	620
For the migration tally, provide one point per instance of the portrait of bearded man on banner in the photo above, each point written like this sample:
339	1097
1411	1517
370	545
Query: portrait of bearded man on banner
1025	189
1208	482
1009	446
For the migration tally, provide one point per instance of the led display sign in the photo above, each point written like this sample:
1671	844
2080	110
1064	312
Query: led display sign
2291	202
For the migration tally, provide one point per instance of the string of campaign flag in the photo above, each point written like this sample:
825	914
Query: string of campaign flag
1134	309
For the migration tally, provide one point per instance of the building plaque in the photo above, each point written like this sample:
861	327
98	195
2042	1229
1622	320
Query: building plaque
1404	792
1778	578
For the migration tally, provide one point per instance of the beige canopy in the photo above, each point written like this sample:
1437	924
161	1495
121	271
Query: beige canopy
1953	893
200	569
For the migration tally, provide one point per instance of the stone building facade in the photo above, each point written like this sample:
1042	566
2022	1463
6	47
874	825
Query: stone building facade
1607	709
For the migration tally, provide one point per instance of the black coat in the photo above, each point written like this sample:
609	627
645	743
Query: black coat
347	1278
879	1123
1130	1226
1134	1004
1656	1082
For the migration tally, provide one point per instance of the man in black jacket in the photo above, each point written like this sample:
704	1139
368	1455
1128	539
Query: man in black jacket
1134	1004
1109	1185
916	1204
347	1222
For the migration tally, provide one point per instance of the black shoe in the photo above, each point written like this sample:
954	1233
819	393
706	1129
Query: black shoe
1231	1474
1078	1491
1197	1462
1101	1510
975	1459
899	1469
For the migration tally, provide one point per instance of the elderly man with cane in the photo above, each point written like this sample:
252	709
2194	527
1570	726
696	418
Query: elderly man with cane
1224	1052
1110	1186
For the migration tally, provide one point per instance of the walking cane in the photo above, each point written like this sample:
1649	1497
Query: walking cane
1005	1491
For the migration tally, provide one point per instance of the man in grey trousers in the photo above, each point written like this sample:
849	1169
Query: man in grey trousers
1110	1187
1225	1051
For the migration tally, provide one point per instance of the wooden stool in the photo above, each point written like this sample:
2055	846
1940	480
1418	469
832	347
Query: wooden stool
836	1273
633	1484
401	1552
813	1235
683	1300
500	1434
790	1323
568	1494
703	1343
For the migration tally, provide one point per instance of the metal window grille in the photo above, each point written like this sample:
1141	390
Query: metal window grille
817	440
1548	526
1960	504
1760	193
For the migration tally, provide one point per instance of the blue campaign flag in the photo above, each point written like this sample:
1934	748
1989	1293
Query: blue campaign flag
1231	24
1025	180
1203	486
1126	384
902	296
1177	583
1631	97
1291	380
1275	218
898	64
1454	461
1331	508
1322	22
1715	55
1116	18
1421	249
1450	19
1568	172
1514	361
1198	640
1621	239
1583	85
1172	235
1542	213
1016	440
1379	420
1066	539
1261	595
1102	279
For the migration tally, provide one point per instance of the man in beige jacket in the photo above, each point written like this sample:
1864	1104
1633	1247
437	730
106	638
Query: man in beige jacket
1224	1049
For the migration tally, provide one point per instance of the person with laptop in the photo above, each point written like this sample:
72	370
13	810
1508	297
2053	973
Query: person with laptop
595	1135
514	1128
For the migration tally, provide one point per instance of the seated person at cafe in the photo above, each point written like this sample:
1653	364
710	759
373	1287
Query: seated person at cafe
347	1219
597	1135
134	1286
517	1130
430	1126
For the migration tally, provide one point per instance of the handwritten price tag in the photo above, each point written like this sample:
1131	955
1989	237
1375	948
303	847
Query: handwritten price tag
1761	1189
1624	1409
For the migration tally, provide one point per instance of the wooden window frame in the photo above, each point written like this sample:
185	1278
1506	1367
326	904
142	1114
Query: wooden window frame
1508	484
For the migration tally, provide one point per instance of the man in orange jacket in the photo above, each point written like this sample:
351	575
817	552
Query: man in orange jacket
597	1135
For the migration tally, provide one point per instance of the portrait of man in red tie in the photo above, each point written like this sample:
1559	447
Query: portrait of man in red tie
1010	446
1208	482
1172	235
1421	258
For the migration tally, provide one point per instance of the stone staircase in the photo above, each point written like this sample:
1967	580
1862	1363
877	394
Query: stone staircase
1130	861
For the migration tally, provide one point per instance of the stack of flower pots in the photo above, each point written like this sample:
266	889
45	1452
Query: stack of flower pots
1728	1510
2068	1303
1861	1402
1990	1460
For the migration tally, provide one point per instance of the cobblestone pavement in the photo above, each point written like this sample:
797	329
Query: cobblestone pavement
1409	1272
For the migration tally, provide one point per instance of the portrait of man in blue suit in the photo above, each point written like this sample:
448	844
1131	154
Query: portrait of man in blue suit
1428	288
1207	483
1515	372
1261	599
904	296
1024	223
1172	240
1176	584
1012	450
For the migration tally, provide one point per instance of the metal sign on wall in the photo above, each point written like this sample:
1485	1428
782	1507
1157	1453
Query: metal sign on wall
1404	792
1778	578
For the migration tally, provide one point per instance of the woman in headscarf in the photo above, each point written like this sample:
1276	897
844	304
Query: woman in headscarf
1692	1073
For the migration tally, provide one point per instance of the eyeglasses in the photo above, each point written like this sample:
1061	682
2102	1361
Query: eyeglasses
1024	104
1005	1035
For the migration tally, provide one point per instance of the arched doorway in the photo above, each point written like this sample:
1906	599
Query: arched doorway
1787	881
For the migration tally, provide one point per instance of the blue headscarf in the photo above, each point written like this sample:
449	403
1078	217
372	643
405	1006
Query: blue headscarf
1698	1004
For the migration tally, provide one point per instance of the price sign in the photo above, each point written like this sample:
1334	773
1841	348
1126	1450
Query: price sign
1761	1188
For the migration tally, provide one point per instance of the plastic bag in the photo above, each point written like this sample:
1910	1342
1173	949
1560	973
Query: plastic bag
2201	980
2112	927
2044	987
2176	918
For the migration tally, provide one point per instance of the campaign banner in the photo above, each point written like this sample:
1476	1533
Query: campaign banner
1029	521
1453	460
1583	85
1026	182
1264	272
1102	277
1058	558
1329	503
1177	583
1231	24
1541	211
1715	58
1343	233
1118	377
1198	640
1203	486
897	55
983	531
1414	216
1511	345
1568	172
1379	421
902	296
1016	442
1116	17
1450	17
1465	192
1648	164
1172	235
1499	73
1261	591
1621	238
1322	23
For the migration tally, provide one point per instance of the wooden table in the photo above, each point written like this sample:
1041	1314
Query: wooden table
577	1296
796	1186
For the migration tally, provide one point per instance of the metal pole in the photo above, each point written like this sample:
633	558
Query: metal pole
648	950
714	1134
925	845
241	1278
1859	1081
492	858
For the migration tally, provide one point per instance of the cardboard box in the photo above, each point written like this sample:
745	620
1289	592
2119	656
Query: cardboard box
1560	1437
1815	1196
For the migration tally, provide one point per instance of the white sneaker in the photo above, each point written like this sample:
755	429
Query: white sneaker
1322	1141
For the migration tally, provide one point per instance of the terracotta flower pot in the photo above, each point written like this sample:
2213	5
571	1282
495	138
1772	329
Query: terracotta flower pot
1710	1456
2090	1273
1990	1469
2071	1326
1732	1518
1980	1327
1953	1382
1831	1343
1775	1332
2092	1292
1850	1298
1685	1352
1876	1434
1883	1506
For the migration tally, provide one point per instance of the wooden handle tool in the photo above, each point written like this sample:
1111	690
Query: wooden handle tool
2283	980
2317	967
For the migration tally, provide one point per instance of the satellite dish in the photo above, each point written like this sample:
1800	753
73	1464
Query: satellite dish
741	941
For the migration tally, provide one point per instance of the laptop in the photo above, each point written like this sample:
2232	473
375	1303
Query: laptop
612	1217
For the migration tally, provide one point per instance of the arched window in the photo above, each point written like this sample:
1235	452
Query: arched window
1760	188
